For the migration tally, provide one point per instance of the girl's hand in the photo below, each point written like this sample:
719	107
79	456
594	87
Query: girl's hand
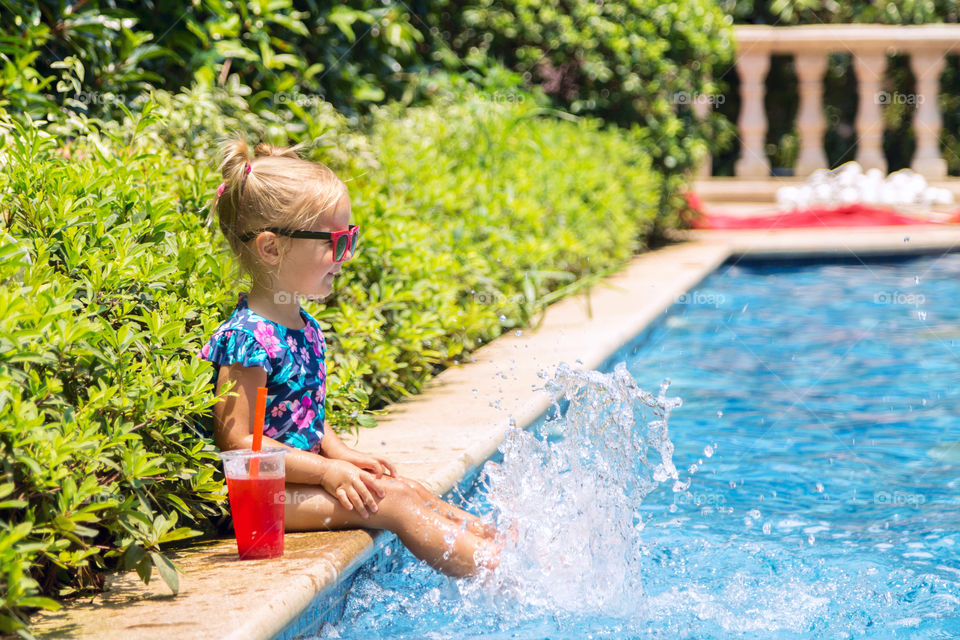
374	464
352	486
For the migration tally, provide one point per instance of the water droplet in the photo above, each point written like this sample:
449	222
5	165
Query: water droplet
518	333
503	318
916	279
906	239
819	487
708	451
810	539
387	551
475	390
719	414
692	469
767	528
672	508
922	315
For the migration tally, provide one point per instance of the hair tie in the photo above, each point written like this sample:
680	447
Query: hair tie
223	185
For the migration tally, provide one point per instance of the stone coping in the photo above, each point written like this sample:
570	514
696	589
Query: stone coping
439	436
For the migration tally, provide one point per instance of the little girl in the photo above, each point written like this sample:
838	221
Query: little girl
288	221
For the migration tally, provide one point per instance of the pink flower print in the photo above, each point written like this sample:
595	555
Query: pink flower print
304	355
205	352
314	338
291	343
303	415
265	336
321	392
277	411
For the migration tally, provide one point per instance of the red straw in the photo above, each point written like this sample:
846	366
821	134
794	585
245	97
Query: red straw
258	428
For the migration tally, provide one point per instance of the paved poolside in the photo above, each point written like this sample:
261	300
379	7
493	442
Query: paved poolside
446	431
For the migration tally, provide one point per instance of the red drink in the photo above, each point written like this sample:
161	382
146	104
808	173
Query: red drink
257	508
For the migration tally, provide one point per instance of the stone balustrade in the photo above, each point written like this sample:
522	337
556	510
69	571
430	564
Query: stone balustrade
869	45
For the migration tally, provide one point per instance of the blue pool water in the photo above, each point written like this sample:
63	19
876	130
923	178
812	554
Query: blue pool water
812	490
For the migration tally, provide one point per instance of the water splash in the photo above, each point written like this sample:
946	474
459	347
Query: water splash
567	495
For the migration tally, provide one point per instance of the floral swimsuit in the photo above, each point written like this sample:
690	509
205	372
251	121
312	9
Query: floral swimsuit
295	366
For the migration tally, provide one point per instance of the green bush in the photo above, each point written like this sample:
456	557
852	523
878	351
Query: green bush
283	50
102	274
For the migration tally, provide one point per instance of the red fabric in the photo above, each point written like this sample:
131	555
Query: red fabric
852	215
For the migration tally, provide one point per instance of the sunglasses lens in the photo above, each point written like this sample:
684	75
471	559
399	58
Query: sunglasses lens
341	248
354	240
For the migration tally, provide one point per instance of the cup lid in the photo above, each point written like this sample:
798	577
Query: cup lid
250	453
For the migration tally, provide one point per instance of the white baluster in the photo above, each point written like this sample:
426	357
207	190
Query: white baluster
927	160
752	67
869	66
810	122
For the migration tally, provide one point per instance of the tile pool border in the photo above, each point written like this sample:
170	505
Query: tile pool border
442	436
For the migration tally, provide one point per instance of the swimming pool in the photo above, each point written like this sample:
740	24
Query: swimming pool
817	458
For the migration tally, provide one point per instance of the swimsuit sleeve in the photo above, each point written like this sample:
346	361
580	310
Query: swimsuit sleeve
236	346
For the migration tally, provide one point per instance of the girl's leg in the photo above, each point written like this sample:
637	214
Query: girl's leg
437	540
452	512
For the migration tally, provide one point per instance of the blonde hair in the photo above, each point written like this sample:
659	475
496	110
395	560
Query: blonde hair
274	188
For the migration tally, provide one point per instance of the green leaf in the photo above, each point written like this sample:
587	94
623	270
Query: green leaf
40	602
167	571
144	569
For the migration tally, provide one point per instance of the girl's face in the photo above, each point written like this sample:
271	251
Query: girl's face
309	267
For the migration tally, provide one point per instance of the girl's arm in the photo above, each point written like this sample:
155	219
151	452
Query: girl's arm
333	447
233	424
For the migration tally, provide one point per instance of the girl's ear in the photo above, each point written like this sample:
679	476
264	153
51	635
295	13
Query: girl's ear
268	248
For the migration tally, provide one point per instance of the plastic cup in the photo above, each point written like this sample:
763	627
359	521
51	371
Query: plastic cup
256	500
